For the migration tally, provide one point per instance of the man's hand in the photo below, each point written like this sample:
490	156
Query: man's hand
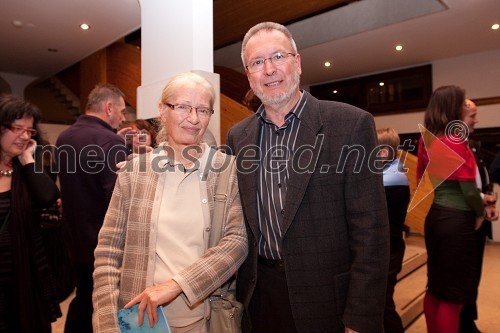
124	131
491	213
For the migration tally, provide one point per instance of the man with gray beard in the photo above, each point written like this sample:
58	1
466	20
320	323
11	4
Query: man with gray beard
316	217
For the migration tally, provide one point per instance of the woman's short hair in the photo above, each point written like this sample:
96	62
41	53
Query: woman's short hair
182	79
13	107
171	88
446	105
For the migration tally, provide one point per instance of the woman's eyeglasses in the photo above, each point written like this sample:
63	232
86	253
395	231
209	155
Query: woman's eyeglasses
20	130
183	109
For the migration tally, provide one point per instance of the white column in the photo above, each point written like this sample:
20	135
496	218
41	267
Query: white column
177	36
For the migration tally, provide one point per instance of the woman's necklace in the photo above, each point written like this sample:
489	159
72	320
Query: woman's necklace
9	172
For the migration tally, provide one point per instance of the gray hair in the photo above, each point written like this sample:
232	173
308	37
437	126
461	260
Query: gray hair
181	79
103	92
171	88
267	26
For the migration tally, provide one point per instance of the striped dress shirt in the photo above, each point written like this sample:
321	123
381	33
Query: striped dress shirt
277	145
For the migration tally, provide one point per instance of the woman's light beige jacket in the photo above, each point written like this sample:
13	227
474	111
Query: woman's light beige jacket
125	253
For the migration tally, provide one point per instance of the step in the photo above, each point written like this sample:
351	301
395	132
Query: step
415	256
412	280
409	294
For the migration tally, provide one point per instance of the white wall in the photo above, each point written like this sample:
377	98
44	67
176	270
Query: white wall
478	74
50	132
17	82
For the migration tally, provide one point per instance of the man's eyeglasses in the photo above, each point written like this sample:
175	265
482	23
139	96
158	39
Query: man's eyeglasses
184	109
20	130
257	65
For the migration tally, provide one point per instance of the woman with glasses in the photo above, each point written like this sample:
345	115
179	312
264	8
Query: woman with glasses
27	290
153	247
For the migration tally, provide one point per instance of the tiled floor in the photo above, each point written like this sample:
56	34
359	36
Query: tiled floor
488	304
489	295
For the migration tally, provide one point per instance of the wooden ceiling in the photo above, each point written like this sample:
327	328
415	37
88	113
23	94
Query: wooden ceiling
232	19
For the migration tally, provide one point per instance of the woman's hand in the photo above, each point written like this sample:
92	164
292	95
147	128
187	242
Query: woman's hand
26	156
152	297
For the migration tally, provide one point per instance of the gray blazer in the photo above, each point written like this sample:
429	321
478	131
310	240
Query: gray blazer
336	232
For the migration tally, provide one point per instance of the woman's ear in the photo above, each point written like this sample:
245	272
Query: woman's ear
384	152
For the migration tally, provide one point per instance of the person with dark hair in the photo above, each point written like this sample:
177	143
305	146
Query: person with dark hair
457	211
397	194
88	152
316	215
140	137
28	301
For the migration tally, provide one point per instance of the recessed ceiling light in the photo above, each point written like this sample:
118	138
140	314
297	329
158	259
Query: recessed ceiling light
17	23
381	84
399	47
84	26
327	64
495	26
335	91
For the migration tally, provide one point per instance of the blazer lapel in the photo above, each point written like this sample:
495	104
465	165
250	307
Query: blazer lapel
248	165
303	164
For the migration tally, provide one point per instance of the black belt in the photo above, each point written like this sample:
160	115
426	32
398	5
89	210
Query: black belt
279	264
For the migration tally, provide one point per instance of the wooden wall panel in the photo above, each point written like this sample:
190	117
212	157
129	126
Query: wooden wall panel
92	72
231	112
416	217
124	70
233	84
233	18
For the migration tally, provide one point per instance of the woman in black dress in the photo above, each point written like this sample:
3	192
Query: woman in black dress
27	302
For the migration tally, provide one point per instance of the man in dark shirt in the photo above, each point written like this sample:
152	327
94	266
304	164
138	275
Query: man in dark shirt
495	170
469	311
88	152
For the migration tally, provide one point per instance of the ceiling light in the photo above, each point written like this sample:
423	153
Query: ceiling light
335	91
495	26
84	26
327	64
17	23
381	84
399	47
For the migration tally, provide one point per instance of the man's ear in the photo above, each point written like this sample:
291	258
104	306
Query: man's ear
108	107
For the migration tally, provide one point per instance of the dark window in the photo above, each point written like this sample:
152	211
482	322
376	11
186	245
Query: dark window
390	92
